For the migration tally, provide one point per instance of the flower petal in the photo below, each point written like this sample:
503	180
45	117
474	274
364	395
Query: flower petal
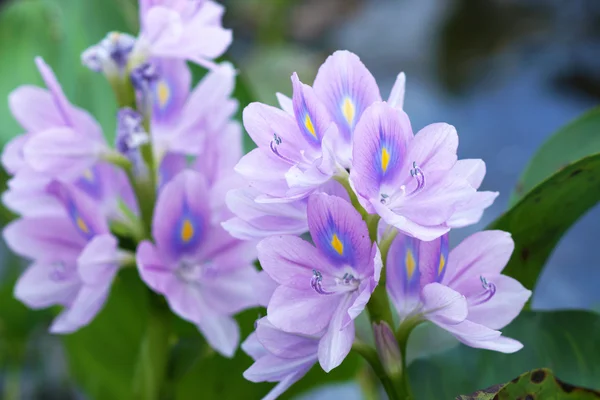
42	286
382	137
339	232
347	88
443	305
483	253
181	216
290	261
301	311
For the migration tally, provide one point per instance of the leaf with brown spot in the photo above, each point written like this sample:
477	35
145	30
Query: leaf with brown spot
537	384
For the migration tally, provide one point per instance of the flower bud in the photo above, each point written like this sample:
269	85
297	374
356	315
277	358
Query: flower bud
387	348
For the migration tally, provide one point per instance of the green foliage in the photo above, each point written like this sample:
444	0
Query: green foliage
102	356
59	30
565	341
537	384
576	140
538	221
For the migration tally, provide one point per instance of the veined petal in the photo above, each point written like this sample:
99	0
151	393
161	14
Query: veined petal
221	331
470	211
404	224
433	260
62	152
434	148
98	262
34	109
347	88
155	273
396	98
335	345
311	115
339	232
403	276
301	311
443	305
282	344
501	308
43	285
181	216
86	305
290	260
172	88
473	170
382	137
481	254
83	211
78	119
44	238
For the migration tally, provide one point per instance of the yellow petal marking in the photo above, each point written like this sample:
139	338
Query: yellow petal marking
385	159
309	125
410	263
163	92
187	231
88	175
82	225
348	110
442	264
337	244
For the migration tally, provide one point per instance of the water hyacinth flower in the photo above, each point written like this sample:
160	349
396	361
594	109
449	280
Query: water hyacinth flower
325	286
462	291
414	182
279	356
294	155
182	29
204	273
75	258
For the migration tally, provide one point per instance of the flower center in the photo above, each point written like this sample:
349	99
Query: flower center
489	290
193	272
347	283
417	174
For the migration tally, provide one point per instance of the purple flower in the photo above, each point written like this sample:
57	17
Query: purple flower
41	113
414	182
75	258
185	121
347	88
294	155
205	274
257	220
279	356
181	29
323	288
462	291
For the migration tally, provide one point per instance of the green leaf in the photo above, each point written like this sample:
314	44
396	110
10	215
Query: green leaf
578	139
538	220
59	30
537	384
564	341
102	356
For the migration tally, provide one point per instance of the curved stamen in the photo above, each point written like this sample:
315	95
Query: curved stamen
276	142
418	174
489	292
316	283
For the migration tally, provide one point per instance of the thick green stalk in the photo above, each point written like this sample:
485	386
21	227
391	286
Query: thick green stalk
151	367
370	355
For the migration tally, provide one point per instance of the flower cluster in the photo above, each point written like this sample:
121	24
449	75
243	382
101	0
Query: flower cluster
342	164
338	196
162	186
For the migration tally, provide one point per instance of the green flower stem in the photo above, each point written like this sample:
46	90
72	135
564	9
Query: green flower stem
370	355
402	335
123	90
343	178
151	366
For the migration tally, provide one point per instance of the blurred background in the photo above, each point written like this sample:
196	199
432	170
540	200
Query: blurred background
506	73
